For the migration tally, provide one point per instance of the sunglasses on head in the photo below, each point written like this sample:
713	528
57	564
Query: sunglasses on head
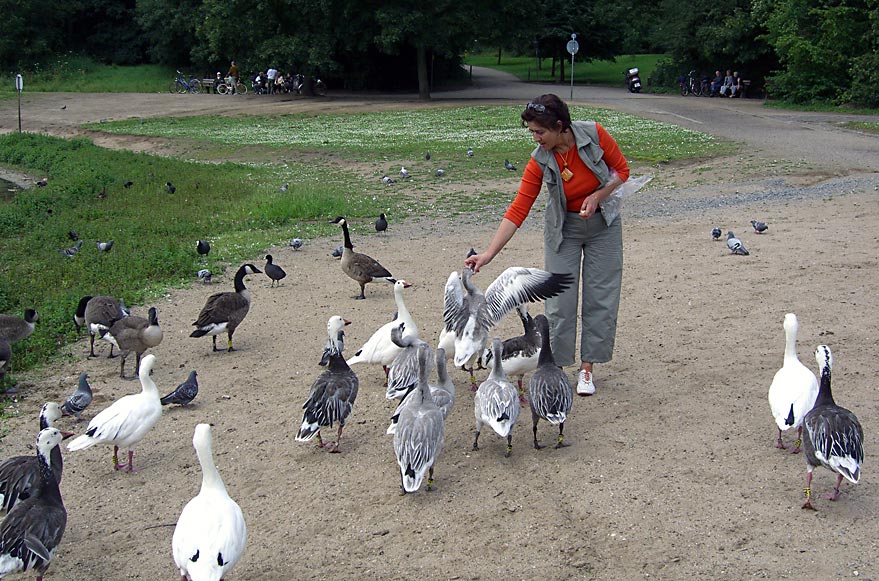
536	106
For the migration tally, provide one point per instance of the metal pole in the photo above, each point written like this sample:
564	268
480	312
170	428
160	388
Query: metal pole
572	77
19	111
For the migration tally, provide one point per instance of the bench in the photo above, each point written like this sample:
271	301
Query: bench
207	86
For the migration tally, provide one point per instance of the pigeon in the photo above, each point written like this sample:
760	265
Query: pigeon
169	187
63	107
69	252
716	233
337	252
387	180
427	155
296	243
381	224
128	184
43	183
79	399
469	152
759	227
204	275
104	246
73	235
273	271
184	393
284	187
202	247
471	252
440	172
735	245
508	165
404	173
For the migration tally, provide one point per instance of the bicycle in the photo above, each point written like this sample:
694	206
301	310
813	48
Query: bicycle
226	87
691	85
318	87
180	85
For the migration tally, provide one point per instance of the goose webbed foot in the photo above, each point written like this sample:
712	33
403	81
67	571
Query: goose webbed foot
780	445
561	442
797	447
537	446
831	495
127	467
320	442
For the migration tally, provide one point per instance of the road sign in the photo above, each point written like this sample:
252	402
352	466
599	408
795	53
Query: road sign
573	45
19	83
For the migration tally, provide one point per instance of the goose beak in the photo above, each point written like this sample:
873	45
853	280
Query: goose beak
347	322
65	435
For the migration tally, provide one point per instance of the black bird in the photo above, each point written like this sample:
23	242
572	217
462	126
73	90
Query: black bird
184	393
43	183
759	227
202	247
79	399
169	187
127	184
469	152
73	235
273	271
427	156
381	224
63	107
716	233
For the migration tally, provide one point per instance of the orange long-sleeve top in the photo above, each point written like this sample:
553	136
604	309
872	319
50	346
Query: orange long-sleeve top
581	185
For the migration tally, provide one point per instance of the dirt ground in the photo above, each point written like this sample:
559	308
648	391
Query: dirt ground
671	471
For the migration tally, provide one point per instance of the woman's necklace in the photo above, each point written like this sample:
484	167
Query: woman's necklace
567	174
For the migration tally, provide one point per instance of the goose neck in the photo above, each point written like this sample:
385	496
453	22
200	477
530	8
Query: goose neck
210	476
825	394
50	487
347	236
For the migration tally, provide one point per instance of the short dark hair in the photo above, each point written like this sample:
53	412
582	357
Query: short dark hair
547	110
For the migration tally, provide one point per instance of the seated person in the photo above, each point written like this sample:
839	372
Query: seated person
280	84
726	87
715	84
259	83
218	80
736	89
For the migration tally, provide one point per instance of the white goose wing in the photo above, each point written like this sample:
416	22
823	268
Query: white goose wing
455	311
517	285
126	421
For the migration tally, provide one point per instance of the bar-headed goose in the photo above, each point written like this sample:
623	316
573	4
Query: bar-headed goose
794	388
549	390
225	311
834	437
32	530
360	267
496	402
125	423
5	359
211	534
332	394
521	353
442	392
134	334
14	328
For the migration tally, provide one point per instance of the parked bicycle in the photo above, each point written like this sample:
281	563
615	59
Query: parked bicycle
318	87
693	85
180	85
227	87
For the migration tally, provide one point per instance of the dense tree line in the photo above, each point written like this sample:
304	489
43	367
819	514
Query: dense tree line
802	50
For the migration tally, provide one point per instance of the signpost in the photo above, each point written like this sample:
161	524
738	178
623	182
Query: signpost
19	86
573	47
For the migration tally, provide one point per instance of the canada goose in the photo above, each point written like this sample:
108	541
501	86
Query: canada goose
14	328
333	393
211	533
420	432
20	475
79	399
834	437
126	421
97	314
32	530
5	358
496	402
135	334
549	391
360	267
225	311
273	271
794	388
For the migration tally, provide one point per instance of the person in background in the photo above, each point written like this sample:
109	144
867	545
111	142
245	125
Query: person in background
233	76
736	90
715	84
271	75
218	80
726	87
581	165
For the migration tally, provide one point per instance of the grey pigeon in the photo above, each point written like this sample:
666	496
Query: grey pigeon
273	271
79	399
169	187
296	243
204	275
202	247
508	165
469	152
284	187
471	252
381	224
185	392
759	227
716	233
104	246
69	252
337	252
440	172
404	173
735	245
387	180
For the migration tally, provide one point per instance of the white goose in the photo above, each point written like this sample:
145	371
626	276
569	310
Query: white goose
126	421
834	437
472	316
794	388
211	533
496	402
380	348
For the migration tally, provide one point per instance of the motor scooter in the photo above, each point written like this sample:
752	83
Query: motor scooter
633	80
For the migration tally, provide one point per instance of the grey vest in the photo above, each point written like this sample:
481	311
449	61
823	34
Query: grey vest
586	138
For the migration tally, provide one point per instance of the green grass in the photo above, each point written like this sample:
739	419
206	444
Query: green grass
602	72
70	73
862	126
333	163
